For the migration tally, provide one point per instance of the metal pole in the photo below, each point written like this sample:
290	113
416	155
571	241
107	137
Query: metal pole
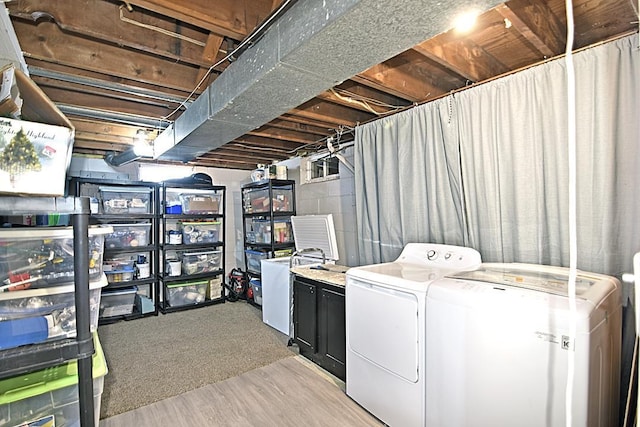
83	317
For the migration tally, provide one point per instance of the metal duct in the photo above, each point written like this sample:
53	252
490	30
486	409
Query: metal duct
121	159
314	46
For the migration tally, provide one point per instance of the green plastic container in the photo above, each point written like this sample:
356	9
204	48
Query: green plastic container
51	392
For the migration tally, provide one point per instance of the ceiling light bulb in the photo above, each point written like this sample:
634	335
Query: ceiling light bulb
141	135
465	21
143	149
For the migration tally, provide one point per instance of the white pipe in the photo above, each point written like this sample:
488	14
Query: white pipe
339	156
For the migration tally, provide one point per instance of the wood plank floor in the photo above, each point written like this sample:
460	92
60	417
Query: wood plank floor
290	392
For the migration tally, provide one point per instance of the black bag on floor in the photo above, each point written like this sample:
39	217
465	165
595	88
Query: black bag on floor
238	285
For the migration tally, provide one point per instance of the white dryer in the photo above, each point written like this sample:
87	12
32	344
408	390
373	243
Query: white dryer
385	327
499	345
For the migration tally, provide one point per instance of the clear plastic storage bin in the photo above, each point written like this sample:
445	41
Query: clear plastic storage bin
201	204
197	232
38	257
119	276
186	293
256	287
201	262
129	236
46	314
50	396
117	302
256	201
253	260
126	200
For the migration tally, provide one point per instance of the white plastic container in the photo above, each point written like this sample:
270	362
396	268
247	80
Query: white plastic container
174	267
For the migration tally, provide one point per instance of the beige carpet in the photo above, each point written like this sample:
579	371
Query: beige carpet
153	358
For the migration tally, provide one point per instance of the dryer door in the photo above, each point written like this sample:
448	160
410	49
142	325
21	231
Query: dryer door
382	327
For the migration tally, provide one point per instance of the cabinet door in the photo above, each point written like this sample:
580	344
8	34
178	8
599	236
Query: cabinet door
304	315
331	340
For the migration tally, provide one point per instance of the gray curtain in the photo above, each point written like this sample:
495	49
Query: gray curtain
509	196
407	182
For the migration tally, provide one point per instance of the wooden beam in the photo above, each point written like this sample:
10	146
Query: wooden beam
410	76
282	134
259	143
229	18
317	123
64	70
337	115
46	42
103	102
298	126
253	157
211	50
537	24
462	57
160	36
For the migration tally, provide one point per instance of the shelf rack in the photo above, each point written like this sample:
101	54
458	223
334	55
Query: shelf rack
30	358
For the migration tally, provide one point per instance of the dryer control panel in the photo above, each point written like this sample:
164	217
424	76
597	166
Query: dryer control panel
434	255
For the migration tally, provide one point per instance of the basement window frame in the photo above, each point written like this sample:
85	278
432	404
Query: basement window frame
320	168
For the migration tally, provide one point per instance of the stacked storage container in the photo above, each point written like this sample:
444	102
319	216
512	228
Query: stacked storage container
49	397
36	278
37	305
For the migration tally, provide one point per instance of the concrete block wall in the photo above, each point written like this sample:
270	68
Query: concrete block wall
337	197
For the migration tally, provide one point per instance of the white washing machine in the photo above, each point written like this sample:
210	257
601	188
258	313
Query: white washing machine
499	346
385	327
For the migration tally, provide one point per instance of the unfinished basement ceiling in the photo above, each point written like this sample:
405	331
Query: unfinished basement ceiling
114	67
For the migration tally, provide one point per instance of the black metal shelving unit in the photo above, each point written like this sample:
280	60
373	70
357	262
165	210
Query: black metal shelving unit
34	357
267	207
81	186
199	228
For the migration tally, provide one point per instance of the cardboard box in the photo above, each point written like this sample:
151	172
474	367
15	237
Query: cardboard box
35	151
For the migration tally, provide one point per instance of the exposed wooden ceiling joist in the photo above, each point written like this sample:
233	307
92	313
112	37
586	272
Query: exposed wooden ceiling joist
161	47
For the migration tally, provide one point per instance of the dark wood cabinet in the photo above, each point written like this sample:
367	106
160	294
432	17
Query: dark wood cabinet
319	323
331	330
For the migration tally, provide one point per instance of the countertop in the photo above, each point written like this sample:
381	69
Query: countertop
332	274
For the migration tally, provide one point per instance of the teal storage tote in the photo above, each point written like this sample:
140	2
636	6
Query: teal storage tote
50	393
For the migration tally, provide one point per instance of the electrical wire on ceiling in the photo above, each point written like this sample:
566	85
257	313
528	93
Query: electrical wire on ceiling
353	98
233	55
573	250
253	148
156	28
322	142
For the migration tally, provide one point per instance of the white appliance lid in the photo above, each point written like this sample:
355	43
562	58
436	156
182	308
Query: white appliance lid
553	280
315	231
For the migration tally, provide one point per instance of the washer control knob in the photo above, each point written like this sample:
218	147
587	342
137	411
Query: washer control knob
431	255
